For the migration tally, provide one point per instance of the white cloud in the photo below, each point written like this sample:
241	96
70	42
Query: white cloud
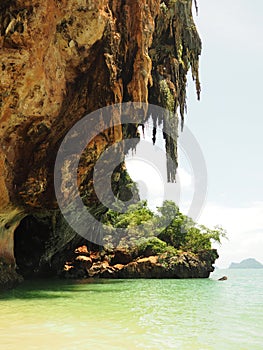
244	227
185	179
153	184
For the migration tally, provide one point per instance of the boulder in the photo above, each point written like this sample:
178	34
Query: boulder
83	261
83	250
121	256
224	278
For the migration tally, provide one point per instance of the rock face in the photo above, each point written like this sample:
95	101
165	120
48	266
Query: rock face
118	265
61	60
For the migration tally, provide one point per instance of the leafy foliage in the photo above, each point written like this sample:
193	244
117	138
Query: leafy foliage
183	233
152	246
175	231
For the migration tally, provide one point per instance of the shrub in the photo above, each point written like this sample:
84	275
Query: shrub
152	246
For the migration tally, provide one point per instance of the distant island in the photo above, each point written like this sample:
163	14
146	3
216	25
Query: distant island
246	264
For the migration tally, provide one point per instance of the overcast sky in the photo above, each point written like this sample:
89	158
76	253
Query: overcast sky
228	126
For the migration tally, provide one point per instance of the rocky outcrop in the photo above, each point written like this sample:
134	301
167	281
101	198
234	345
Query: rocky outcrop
118	265
59	61
223	278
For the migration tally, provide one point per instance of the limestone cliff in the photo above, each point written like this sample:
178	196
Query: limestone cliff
60	60
84	263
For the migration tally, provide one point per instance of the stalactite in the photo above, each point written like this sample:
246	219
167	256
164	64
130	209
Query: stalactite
176	49
61	61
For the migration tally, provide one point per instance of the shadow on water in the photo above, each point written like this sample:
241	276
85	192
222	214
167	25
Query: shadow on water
67	289
55	289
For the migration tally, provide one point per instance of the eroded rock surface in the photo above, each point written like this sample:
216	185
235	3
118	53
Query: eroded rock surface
60	60
114	265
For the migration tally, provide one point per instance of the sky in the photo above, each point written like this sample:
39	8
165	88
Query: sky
227	124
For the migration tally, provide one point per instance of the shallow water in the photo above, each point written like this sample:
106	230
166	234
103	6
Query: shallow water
136	314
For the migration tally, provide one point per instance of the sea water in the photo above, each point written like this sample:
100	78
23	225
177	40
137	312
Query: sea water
136	314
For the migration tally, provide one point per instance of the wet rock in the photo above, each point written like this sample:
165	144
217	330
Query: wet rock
121	256
148	267
224	278
98	268
83	262
180	265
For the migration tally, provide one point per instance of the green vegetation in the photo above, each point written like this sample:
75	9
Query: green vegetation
166	96
152	246
167	231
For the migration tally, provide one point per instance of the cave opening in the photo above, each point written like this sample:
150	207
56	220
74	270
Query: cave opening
30	239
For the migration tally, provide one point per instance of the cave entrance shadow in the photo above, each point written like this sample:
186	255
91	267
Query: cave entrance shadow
56	288
29	245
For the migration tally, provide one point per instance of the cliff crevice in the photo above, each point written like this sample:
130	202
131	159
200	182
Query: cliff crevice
61	60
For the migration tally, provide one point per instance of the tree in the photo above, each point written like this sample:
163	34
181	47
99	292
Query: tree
173	228
174	233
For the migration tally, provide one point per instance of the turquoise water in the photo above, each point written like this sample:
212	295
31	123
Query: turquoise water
136	314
